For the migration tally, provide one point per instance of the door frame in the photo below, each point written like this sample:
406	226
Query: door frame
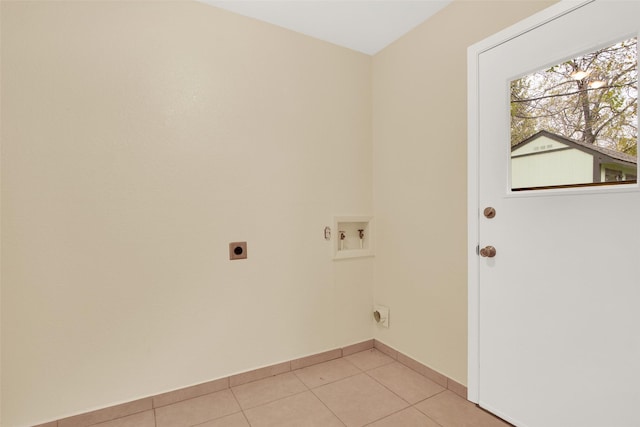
473	192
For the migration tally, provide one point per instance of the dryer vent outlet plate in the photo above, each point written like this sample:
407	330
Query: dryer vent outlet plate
381	315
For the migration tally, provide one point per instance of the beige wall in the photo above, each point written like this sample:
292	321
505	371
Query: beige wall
138	140
419	152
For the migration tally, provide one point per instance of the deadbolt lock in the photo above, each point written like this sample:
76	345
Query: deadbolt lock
489	212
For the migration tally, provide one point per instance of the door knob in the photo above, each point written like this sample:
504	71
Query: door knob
488	252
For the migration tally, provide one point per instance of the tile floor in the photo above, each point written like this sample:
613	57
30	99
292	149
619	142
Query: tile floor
362	389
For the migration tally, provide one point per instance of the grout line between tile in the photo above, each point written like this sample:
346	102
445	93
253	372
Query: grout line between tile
329	409
434	395
245	417
360	371
392	392
274	400
431	419
119	418
236	399
218	418
386	416
427	415
401	398
352	364
400	410
424	400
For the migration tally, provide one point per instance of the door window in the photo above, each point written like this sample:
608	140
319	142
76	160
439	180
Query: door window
576	123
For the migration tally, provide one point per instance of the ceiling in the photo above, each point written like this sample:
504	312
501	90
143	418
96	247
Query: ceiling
366	26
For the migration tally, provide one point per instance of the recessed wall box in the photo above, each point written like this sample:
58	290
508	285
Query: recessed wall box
354	237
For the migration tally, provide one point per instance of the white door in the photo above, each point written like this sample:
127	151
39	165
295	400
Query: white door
558	314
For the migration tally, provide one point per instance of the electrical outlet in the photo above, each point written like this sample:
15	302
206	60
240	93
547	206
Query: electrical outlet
237	250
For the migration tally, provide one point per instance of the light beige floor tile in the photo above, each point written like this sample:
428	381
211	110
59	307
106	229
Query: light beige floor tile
359	400
409	417
267	390
405	382
142	419
369	359
450	410
234	420
300	410
327	372
197	410
107	414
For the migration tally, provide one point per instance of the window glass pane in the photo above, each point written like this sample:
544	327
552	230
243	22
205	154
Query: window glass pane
576	123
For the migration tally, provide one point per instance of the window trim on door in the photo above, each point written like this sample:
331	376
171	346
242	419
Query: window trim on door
473	209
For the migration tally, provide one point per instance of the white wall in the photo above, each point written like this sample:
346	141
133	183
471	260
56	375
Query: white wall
138	140
419	144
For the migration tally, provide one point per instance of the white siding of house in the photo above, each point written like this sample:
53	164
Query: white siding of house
541	143
551	168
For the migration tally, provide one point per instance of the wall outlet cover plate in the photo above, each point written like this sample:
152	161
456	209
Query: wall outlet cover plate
237	250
